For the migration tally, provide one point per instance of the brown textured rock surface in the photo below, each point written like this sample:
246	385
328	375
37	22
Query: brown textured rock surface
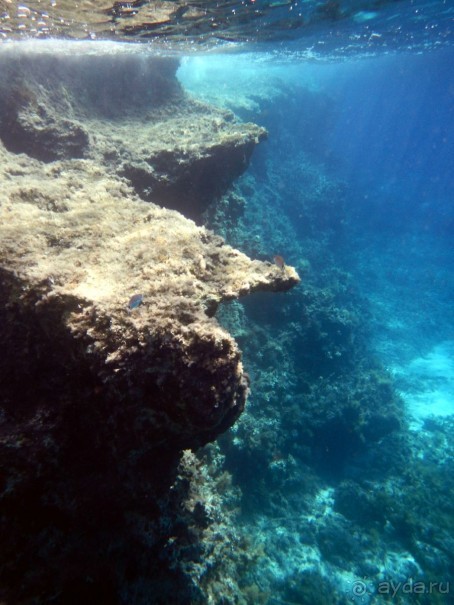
130	113
75	246
97	399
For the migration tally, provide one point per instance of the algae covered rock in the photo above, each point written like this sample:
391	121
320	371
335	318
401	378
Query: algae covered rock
76	246
129	112
112	359
113	363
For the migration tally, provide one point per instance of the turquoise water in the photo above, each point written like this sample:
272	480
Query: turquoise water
344	455
337	482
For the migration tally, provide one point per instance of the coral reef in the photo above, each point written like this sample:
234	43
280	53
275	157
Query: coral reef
321	491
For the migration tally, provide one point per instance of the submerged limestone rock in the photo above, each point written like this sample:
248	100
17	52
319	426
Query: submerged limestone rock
129	112
112	359
112	363
76	245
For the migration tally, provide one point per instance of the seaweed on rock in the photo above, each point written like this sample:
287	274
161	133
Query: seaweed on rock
99	397
130	114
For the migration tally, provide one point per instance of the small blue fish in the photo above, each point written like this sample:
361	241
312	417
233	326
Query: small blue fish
135	301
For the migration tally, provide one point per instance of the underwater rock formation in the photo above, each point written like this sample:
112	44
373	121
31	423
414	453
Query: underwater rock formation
114	362
129	113
76	246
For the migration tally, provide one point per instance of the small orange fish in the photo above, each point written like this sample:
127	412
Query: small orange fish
279	261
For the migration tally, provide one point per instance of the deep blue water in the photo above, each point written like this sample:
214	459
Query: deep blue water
394	131
357	179
394	121
384	124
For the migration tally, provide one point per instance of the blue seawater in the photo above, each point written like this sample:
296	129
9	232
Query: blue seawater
344	456
336	485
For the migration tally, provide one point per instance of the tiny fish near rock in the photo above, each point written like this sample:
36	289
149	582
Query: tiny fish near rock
135	301
279	261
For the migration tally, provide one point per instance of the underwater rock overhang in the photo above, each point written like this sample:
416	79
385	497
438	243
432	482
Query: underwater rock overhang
130	113
112	359
76	245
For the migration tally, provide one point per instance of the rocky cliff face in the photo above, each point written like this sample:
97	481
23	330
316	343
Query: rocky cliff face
127	112
113	361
